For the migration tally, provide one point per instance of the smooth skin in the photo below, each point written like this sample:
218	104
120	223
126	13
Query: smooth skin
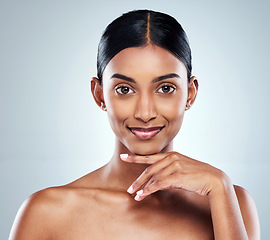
147	190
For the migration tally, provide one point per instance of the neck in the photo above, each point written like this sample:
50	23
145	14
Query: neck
119	175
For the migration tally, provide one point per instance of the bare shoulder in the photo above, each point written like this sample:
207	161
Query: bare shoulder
245	200
248	211
40	214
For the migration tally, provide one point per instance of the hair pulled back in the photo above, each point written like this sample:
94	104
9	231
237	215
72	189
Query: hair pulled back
139	28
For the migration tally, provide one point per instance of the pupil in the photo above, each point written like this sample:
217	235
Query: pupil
125	90
166	89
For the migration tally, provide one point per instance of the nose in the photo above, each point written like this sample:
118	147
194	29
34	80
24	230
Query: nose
145	109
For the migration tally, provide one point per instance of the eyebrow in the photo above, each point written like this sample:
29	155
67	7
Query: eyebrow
157	79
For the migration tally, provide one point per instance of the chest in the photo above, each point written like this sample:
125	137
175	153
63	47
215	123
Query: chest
135	222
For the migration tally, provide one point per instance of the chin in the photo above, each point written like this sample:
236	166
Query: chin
146	149
145	153
157	144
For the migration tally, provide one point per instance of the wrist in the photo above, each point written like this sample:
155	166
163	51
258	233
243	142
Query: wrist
222	185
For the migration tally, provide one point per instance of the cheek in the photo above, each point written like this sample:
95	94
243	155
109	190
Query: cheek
173	111
121	109
118	111
172	108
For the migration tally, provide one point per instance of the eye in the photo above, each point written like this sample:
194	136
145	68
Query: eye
123	90
166	89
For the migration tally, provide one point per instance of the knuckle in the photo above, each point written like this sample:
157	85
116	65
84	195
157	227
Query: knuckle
135	184
155	184
174	156
148	170
146	190
147	157
153	179
177	164
158	182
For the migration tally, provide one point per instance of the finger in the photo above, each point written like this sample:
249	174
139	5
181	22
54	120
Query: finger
162	180
154	186
158	179
148	173
148	159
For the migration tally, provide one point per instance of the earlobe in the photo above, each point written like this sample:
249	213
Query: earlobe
192	92
188	105
97	93
103	106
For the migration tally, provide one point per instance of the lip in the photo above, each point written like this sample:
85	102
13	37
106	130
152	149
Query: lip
145	133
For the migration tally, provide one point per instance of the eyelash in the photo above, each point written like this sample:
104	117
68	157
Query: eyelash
120	88
172	89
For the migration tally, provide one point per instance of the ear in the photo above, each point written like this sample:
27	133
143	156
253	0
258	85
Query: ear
192	91
97	92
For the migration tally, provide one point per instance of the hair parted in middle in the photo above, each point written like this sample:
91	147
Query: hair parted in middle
140	28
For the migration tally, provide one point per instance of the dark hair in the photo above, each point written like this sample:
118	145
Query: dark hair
139	28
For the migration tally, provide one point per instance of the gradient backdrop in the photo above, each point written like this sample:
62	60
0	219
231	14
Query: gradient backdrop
51	131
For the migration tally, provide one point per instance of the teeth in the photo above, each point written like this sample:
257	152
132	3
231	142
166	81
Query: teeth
146	129
145	133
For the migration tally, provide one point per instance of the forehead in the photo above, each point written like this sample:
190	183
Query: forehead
143	62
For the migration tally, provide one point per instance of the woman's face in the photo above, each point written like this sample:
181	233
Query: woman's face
145	91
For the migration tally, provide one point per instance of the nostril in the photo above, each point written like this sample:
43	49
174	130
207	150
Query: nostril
145	109
145	116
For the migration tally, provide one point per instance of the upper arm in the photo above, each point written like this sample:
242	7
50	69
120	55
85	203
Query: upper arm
249	212
31	221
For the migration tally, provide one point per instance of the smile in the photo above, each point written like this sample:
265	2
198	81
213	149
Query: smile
145	133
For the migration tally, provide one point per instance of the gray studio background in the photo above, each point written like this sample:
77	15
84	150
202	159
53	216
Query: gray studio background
51	132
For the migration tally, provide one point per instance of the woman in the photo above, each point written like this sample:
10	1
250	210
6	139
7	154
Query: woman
146	191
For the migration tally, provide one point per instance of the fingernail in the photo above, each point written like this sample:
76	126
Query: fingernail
137	198
124	156
130	189
140	192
